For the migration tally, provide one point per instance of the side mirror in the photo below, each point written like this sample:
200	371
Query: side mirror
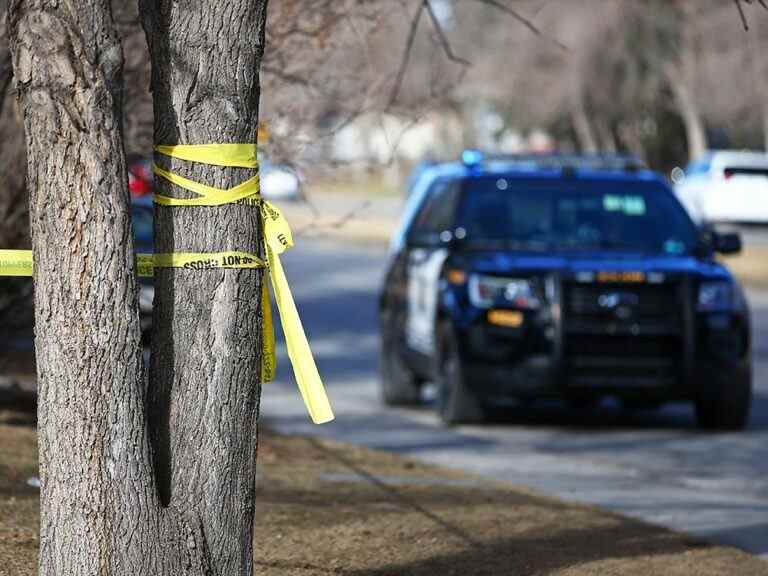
726	243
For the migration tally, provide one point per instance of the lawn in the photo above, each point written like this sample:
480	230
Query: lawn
326	508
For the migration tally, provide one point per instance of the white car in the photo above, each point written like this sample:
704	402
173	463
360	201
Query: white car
726	186
280	182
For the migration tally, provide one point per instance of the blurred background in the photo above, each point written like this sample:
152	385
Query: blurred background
357	94
359	97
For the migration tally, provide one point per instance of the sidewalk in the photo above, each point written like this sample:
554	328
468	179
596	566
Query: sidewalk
344	217
328	508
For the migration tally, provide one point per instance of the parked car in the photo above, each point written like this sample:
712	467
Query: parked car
726	186
140	177
280	182
512	281
143	236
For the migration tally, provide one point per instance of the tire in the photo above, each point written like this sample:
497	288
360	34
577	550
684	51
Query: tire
583	404
456	403
632	406
399	385
725	399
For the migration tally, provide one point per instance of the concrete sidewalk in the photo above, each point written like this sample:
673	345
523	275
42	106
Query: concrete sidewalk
345	217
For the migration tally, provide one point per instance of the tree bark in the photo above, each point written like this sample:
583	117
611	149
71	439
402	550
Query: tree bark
205	366
6	73
98	502
13	195
109	504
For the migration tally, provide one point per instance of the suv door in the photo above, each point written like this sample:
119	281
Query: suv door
427	247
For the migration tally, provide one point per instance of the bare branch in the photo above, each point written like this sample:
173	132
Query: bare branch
741	13
741	10
407	52
443	38
524	21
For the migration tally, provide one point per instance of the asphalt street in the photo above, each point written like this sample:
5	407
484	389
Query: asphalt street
654	466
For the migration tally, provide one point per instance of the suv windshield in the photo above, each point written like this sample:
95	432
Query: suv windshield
575	215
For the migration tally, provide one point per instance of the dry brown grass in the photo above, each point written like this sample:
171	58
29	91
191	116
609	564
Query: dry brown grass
327	508
751	266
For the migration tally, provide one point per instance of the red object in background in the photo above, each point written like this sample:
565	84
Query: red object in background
140	180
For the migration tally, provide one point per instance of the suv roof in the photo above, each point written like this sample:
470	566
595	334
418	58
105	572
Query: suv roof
553	167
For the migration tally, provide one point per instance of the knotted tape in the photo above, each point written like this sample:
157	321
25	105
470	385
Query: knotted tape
277	239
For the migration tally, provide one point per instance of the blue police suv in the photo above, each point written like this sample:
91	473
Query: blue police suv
573	278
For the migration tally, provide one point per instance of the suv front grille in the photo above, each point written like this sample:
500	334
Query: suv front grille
622	335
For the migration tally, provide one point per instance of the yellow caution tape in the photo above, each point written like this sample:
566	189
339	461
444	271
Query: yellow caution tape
235	155
20	263
278	239
238	155
15	262
145	263
209	196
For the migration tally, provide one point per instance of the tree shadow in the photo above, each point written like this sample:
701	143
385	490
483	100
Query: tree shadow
611	416
547	553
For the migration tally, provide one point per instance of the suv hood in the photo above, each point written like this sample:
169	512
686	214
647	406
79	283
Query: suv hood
575	262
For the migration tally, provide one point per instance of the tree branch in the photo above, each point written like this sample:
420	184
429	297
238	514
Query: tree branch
443	38
741	10
524	21
407	53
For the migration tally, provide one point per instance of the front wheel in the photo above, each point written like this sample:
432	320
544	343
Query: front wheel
725	399
456	403
399	385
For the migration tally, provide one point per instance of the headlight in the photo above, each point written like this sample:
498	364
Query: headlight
715	296
487	291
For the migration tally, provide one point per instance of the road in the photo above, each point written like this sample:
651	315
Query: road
655	466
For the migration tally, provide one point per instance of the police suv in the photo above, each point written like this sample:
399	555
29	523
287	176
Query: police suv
576	278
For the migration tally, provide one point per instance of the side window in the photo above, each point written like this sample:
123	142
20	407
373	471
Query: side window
437	213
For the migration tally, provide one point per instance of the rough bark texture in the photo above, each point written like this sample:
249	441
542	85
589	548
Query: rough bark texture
104	510
206	341
6	73
14	215
97	489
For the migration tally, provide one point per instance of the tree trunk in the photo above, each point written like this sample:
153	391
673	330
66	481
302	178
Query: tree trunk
582	126
695	132
108	506
6	73
207	327
682	81
607	138
98	503
759	82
